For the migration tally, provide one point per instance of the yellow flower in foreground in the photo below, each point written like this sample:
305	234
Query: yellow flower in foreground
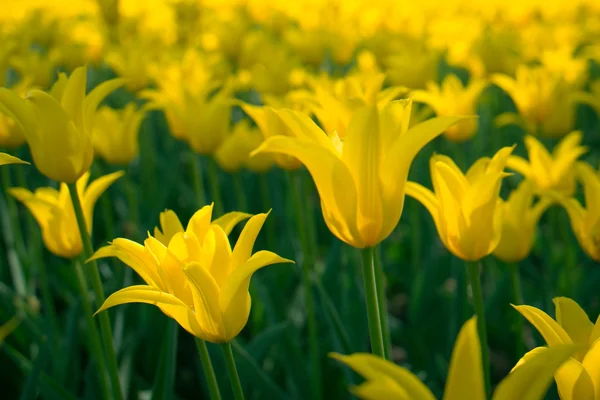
453	98
58	125
234	152
193	276
519	222
386	380
53	211
360	180
550	172
585	222
116	133
579	377
465	207
8	159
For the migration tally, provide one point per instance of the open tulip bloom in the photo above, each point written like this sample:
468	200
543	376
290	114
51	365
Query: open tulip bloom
192	275
529	380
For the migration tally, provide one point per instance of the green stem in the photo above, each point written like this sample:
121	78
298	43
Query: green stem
473	271
105	329
209	372
197	178
375	333
240	193
518	299
382	302
307	266
234	378
94	337
164	387
215	187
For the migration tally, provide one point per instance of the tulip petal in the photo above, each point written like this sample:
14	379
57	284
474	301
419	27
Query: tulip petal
373	368
395	120
8	159
520	165
595	335
230	220
72	99
465	375
531	379
245	243
552	332
21	111
170	225
425	197
221	263
199	224
93	192
169	304
592	366
591	187
573	381
573	320
93	99
381	388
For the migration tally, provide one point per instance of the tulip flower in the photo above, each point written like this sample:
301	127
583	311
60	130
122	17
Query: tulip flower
234	152
11	135
453	98
465	207
579	377
585	222
550	172
361	180
59	125
528	381
116	133
53	211
519	221
193	276
8	159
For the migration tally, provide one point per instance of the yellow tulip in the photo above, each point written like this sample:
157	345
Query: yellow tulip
53	211
550	172
465	207
360	180
58	125
8	159
193	276
386	380
234	152
116	133
453	98
585	222
11	135
519	221
579	377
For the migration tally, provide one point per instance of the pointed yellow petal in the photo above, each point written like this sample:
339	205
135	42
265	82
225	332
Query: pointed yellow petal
93	192
245	243
382	388
230	220
73	96
199	224
221	262
595	335
93	99
425	197
373	368
591	187
531	379
552	332
8	159
20	110
573	320
520	165
465	375
170	225
573	381
591	363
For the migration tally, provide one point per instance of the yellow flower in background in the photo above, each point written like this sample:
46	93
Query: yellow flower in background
412	64
550	172
8	159
464	207
234	152
116	132
360	180
545	101
520	217
58	125
53	211
132	59
585	222
11	134
528	381
579	377
453	98
193	276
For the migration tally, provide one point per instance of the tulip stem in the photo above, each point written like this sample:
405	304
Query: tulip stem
473	270
94	337
234	378
197	178
375	333
382	302
518	299
215	188
209	372
105	329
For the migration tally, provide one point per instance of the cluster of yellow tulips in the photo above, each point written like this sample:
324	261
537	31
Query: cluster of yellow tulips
349	91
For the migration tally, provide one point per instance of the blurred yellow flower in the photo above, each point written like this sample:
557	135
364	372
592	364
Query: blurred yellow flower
579	377
234	152
519	222
115	135
361	180
11	135
193	276
58	125
453	98
8	159
528	381
53	211
464	207
550	172
585	222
